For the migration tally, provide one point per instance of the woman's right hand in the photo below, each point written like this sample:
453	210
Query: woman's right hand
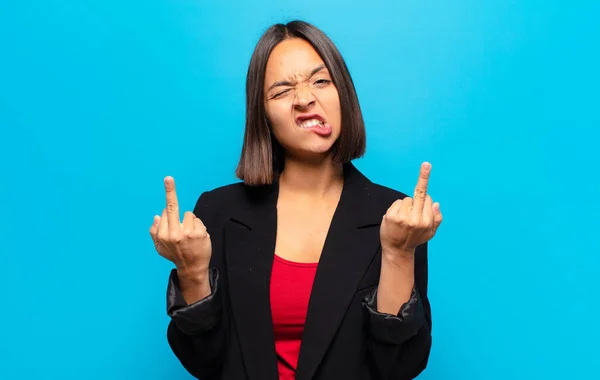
185	244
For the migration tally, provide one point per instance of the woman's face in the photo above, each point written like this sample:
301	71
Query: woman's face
301	101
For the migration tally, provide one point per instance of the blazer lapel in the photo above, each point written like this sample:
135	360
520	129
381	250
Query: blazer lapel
250	244
351	244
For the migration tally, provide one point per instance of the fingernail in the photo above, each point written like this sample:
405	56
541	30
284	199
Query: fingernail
436	207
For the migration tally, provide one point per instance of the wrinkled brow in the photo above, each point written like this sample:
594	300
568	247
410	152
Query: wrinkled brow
287	83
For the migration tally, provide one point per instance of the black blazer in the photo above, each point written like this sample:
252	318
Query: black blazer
229	335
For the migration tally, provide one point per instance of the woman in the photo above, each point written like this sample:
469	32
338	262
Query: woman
306	269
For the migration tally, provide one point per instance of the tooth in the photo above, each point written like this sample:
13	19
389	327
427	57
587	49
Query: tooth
310	123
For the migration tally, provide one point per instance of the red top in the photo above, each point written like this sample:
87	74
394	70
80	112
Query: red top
291	284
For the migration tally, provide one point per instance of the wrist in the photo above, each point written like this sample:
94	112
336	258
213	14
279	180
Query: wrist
192	277
398	257
194	286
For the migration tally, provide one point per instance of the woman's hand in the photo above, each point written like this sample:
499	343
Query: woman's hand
185	244
410	222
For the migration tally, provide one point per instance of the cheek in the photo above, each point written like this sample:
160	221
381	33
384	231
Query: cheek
331	103
279	117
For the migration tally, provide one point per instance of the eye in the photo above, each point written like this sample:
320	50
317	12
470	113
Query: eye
280	93
322	81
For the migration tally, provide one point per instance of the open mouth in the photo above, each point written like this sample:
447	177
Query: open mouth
311	123
315	123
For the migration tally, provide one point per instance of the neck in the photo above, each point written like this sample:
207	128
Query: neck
310	178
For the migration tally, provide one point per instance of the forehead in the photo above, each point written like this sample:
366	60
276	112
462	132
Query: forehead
290	58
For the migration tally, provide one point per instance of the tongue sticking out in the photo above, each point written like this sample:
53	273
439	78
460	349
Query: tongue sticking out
322	129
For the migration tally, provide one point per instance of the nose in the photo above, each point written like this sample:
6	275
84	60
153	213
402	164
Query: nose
304	96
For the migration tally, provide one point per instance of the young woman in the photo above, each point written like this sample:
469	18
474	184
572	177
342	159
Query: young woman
305	269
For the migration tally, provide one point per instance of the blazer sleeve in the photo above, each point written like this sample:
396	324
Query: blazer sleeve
399	345
196	332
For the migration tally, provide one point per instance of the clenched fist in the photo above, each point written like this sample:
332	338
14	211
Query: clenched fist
410	222
185	244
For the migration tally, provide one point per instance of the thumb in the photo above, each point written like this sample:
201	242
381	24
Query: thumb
437	216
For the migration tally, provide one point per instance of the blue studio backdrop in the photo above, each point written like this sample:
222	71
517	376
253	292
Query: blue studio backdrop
99	100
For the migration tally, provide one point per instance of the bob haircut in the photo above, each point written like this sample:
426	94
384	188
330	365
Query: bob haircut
262	157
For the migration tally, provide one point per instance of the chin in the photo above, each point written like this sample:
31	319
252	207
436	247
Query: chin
312	152
323	146
316	150
312	148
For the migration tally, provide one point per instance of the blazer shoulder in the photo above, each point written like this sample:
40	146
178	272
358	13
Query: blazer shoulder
224	199
215	201
384	195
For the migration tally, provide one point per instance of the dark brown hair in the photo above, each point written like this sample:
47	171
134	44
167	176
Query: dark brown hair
262	157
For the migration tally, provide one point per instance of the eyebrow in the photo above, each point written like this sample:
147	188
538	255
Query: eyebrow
287	83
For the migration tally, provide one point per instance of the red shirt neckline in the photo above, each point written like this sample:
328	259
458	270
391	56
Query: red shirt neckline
295	263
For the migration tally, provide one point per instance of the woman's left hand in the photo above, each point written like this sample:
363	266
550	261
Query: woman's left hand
410	222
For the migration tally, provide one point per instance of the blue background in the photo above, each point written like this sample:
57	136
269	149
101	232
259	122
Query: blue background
99	100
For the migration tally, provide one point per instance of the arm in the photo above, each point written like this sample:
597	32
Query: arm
196	332
399	341
400	316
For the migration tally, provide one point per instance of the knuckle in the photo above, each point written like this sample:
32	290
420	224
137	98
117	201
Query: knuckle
420	193
172	206
391	217
202	233
175	237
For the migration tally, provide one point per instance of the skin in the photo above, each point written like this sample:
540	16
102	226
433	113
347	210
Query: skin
186	244
292	91
296	83
408	223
